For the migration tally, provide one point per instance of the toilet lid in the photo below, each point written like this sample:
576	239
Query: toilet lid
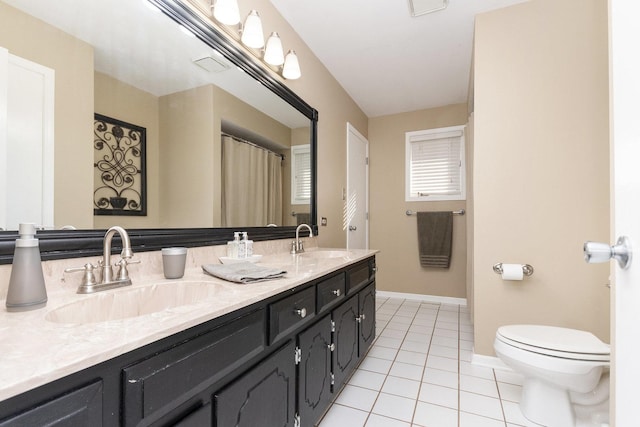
555	339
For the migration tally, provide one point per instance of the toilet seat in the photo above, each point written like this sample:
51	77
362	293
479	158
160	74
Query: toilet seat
557	342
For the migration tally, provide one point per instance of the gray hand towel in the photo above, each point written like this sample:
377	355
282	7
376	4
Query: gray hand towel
435	230
243	272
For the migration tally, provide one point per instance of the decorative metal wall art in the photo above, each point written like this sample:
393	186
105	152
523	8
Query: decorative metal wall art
119	167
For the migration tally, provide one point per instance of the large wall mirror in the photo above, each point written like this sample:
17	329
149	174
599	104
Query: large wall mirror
161	66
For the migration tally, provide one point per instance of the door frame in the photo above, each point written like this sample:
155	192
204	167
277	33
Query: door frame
352	130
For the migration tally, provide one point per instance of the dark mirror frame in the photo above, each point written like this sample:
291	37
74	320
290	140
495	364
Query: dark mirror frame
60	244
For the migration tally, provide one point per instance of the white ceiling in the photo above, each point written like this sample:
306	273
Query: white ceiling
388	61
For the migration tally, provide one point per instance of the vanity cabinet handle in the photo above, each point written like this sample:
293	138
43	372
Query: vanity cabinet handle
301	312
337	292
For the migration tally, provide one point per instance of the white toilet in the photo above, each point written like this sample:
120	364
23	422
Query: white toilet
566	373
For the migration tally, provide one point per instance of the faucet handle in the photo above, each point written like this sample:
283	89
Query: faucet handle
123	273
89	277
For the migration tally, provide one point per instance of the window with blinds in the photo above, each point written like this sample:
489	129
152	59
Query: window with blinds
435	167
300	174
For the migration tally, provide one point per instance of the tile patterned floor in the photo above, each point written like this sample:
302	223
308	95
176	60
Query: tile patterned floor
418	374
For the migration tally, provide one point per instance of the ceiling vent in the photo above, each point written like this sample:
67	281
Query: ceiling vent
211	64
422	7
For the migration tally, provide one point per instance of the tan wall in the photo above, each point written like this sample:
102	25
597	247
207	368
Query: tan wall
541	165
320	90
470	216
190	147
72	61
126	103
394	233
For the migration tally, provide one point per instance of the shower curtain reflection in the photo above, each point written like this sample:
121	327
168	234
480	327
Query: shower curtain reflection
251	184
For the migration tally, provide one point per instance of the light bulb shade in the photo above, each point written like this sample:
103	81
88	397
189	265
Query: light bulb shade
252	35
291	68
273	53
226	12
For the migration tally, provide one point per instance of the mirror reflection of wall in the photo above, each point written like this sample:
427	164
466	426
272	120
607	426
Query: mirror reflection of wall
183	114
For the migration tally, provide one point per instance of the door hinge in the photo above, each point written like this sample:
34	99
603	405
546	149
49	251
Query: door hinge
332	347
333	326
296	421
298	356
359	319
333	379
366	161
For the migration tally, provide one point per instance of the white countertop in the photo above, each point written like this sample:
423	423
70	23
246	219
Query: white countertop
35	351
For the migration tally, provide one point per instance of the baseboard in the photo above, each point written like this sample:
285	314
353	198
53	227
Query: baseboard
489	362
424	298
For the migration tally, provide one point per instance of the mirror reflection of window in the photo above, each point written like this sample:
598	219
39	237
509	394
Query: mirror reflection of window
301	174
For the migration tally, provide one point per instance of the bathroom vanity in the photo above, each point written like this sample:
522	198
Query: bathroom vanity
272	353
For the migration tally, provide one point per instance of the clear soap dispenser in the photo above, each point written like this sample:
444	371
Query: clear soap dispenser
26	283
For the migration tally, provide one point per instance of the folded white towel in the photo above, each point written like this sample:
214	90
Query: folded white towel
243	272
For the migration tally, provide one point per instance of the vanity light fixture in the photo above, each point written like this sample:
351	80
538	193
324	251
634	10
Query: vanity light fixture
252	35
291	68
226	11
273	53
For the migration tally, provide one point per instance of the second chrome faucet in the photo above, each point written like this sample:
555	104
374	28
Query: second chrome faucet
297	245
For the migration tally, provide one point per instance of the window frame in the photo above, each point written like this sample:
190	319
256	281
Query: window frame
431	134
295	151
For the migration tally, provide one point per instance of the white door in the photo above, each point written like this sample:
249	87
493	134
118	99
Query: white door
26	142
625	130
356	219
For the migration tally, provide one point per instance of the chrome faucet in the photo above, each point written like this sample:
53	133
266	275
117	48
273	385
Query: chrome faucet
107	268
89	283
297	246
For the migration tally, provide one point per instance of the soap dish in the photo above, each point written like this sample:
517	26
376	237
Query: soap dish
229	260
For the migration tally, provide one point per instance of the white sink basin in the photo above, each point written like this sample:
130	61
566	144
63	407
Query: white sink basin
324	254
123	304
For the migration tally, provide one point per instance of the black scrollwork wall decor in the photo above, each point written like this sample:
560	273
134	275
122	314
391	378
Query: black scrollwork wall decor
119	167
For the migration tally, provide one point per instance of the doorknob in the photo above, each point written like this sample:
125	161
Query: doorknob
352	228
595	252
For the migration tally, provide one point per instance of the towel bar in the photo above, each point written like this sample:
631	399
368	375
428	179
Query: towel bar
460	212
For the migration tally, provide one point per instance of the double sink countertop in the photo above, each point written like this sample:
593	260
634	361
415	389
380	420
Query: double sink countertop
71	333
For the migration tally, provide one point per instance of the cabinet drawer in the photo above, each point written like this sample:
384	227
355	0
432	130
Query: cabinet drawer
158	384
79	407
290	313
358	276
330	291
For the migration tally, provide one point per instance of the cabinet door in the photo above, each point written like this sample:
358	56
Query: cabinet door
157	385
345	355
82	407
314	371
367	306
264	396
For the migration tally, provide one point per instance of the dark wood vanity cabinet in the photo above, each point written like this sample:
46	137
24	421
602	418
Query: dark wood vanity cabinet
276	363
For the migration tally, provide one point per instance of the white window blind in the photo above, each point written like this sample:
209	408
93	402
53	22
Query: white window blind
435	164
300	174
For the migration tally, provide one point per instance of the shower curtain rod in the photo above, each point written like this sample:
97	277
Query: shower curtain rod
253	144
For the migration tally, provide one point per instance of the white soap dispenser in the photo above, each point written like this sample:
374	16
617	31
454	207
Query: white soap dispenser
26	283
242	248
233	246
248	245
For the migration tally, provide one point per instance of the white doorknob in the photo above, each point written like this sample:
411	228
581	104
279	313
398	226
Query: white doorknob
595	252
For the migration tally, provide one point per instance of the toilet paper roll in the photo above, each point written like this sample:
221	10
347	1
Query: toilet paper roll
512	272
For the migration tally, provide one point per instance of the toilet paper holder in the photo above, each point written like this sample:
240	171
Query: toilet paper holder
527	270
